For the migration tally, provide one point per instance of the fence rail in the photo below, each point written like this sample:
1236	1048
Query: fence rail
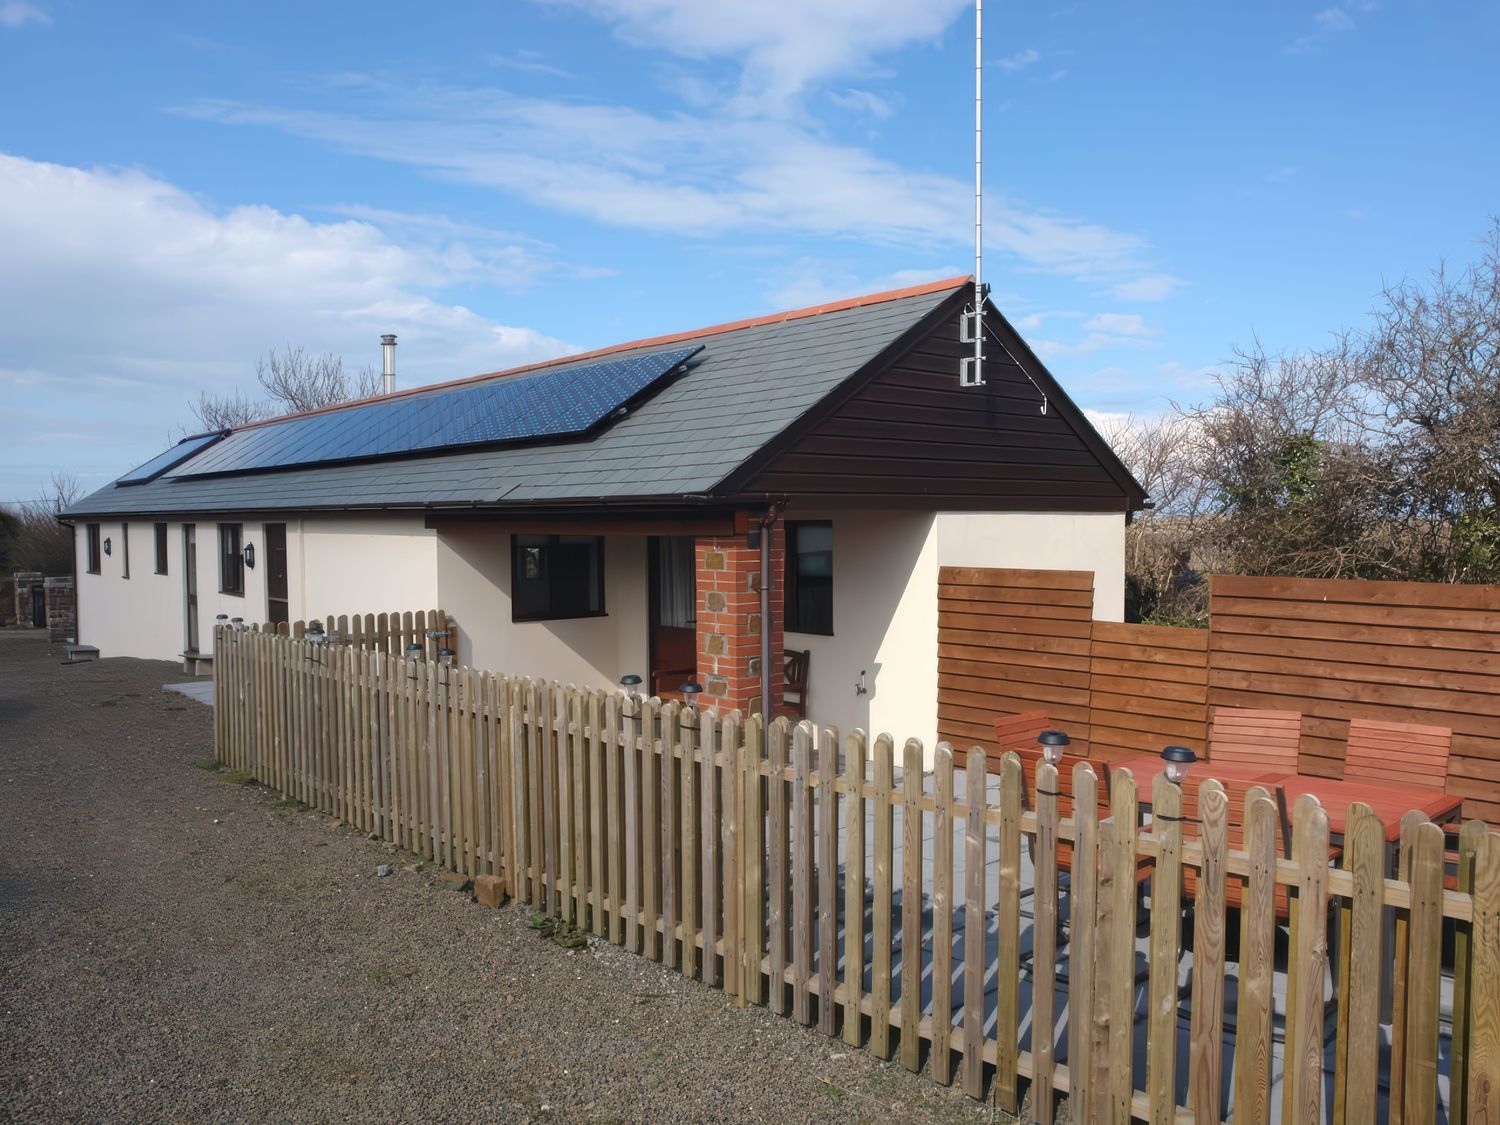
801	870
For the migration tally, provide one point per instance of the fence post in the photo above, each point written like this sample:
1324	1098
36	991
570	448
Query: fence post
1119	974
1206	1053
1484	995
1166	930
1008	922
1302	1084
752	849
1252	1028
1083	947
911	906
1469	838
854	887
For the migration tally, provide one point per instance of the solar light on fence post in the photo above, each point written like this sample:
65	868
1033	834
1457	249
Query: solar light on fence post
630	682
239	624
445	655
414	651
222	619
1054	742
1179	760
692	689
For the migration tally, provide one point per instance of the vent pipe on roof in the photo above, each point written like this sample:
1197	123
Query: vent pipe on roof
388	367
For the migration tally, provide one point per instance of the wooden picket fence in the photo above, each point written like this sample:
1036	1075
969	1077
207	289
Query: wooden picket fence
785	865
383	632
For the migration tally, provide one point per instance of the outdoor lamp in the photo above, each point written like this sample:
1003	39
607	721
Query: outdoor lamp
1179	760
221	618
315	631
1054	742
445	654
414	651
108	545
249	553
692	689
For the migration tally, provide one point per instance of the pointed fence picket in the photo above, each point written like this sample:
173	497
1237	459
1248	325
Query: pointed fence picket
762	859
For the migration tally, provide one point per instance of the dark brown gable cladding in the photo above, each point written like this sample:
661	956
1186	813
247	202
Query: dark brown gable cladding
907	435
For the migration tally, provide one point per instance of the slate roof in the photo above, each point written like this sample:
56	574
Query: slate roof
752	380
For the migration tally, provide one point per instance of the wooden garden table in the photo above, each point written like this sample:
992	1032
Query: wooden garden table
1145	767
1389	802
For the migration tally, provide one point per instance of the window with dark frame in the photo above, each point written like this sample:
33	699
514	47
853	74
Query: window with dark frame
231	559
808	583
92	531
161	548
124	550
556	576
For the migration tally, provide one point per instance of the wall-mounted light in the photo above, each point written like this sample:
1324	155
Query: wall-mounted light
1054	742
1179	760
108	545
249	554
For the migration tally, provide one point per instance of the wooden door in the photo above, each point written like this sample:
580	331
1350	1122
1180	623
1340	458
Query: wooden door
672	616
276	583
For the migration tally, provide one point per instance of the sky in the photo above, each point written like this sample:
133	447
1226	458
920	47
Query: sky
184	186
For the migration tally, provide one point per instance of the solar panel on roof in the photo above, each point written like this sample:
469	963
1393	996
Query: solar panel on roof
506	409
168	459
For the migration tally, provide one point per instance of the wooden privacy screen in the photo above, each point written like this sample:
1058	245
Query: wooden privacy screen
1401	652
1406	652
1008	641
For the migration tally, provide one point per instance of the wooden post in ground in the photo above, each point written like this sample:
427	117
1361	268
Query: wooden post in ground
1166	930
1206	1050
1008	920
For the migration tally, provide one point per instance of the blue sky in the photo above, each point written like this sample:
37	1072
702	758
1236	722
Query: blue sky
183	186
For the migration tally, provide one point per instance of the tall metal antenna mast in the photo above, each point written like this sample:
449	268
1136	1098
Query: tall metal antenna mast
971	371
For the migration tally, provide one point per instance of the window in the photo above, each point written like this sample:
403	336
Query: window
556	576
161	548
809	577
124	550
231	560
93	540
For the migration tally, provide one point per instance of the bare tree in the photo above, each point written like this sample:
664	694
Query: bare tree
1164	454
292	380
1432	380
30	534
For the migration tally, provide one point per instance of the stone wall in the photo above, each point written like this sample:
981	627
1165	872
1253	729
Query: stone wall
62	611
24	581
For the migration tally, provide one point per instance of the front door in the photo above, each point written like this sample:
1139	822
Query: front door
673	616
276	600
190	583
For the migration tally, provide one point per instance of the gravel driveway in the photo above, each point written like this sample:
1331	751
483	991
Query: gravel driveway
177	947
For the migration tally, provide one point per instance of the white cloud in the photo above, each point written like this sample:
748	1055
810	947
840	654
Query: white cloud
785	46
1101	331
1330	22
17	13
726	175
813	281
528	62
125	296
1120	324
1019	61
1149	287
861	101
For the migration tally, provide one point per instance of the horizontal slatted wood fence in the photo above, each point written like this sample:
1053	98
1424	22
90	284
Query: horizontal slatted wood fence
1407	652
797	869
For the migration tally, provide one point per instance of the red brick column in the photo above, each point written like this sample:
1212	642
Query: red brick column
729	624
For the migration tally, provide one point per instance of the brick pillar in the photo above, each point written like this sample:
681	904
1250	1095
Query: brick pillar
24	581
729	624
62	611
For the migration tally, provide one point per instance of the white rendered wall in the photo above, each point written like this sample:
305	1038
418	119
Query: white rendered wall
1042	541
474	574
145	615
368	564
884	626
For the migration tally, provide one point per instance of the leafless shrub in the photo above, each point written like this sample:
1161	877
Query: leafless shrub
292	380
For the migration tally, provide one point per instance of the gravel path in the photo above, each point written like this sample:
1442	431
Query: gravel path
175	947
